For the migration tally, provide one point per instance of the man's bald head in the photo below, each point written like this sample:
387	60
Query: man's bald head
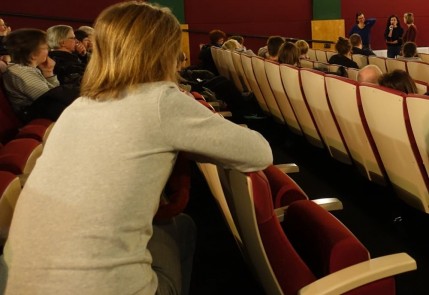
369	74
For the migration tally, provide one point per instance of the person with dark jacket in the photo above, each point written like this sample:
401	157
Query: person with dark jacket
357	46
217	37
342	58
69	55
393	36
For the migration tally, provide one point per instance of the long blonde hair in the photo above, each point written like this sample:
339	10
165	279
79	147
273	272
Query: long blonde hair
134	42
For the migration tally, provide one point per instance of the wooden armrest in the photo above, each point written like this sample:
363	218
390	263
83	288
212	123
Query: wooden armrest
288	168
360	274
214	103
225	114
329	204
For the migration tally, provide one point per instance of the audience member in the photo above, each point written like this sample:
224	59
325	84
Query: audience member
4	31
94	192
363	28
409	51
90	32
217	37
393	36
411	32
243	48
369	74
357	47
29	79
303	48
270	51
231	45
399	80
84	39
69	67
343	57
289	54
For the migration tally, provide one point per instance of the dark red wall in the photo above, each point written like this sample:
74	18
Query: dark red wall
285	18
246	17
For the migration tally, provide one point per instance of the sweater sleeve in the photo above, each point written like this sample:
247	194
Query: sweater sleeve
188	126
30	82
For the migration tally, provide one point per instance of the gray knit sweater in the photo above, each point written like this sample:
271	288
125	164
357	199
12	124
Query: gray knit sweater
84	218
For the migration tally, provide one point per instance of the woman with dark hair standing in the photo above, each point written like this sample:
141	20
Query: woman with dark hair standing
393	36
363	28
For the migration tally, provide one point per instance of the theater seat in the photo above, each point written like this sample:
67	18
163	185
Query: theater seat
11	127
10	188
309	248
19	156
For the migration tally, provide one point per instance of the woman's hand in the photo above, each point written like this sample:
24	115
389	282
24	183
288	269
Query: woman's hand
47	67
80	48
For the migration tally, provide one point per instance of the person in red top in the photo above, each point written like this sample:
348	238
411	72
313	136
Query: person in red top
411	32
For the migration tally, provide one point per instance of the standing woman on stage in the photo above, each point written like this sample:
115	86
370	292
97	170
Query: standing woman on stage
363	28
393	36
411	32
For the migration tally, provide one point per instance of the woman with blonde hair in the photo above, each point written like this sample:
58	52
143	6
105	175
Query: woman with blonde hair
411	32
84	221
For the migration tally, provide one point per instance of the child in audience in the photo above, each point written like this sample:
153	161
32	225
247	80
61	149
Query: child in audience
271	50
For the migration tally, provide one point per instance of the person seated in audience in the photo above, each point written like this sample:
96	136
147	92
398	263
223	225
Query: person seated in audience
243	48
409	52
393	36
4	31
96	188
90	32
31	85
83	38
289	54
217	37
271	50
343	57
231	45
369	74
69	67
303	47
357	47
399	80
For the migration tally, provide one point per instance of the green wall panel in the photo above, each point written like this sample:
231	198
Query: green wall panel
326	9
176	6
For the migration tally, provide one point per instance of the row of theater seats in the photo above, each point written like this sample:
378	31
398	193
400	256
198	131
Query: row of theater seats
382	132
294	245
300	247
20	146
